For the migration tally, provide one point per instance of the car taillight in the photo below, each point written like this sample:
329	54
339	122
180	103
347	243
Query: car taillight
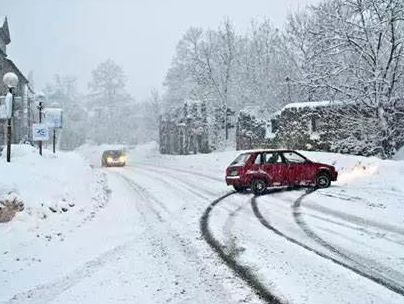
234	173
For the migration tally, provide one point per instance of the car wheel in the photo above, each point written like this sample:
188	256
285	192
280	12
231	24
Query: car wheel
239	188
323	180
258	186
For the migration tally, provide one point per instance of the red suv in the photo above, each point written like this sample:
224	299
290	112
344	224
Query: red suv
266	168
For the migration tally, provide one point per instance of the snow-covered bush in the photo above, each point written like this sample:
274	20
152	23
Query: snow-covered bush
10	204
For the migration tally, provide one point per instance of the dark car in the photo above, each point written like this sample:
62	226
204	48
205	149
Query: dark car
261	169
114	158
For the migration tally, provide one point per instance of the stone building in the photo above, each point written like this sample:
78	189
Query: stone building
23	109
334	126
185	130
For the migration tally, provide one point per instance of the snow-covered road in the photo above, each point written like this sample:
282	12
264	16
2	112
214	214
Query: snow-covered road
173	232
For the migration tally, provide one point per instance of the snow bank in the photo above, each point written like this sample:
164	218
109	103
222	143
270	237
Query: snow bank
53	183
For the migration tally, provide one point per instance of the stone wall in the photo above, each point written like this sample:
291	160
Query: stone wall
315	126
185	130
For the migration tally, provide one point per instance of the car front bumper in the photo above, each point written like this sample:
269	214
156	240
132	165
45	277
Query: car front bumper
115	164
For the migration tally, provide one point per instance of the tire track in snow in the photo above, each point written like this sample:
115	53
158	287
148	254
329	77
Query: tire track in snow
189	252
145	196
390	285
357	220
190	187
47	292
195	173
244	272
366	265
354	226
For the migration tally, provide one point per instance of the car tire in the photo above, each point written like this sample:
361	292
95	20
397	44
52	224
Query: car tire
258	186
239	188
323	180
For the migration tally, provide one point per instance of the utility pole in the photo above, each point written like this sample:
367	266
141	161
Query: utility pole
226	122
40	108
54	140
9	132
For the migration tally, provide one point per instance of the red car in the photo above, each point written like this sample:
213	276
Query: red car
258	170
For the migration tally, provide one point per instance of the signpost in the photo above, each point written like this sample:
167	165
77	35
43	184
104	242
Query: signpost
54	120
40	132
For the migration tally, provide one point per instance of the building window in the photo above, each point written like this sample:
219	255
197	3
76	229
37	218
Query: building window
274	125
315	124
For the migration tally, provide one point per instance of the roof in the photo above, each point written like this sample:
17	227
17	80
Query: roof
316	104
259	112
17	70
268	150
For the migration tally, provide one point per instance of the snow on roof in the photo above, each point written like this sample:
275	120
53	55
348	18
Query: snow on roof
258	112
192	101
315	104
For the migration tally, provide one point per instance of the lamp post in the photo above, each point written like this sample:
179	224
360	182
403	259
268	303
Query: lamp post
40	98
287	79
11	81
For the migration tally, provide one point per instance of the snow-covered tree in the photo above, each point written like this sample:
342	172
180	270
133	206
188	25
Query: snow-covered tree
63	92
353	50
113	112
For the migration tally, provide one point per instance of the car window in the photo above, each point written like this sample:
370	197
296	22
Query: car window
293	158
269	158
272	158
241	159
258	159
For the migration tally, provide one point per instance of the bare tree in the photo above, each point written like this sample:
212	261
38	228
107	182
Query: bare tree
355	52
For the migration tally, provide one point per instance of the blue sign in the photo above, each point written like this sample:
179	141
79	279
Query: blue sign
40	132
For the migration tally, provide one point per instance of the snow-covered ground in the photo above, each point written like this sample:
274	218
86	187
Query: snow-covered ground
157	232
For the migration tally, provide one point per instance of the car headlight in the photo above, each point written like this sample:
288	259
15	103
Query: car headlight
234	173
109	159
123	159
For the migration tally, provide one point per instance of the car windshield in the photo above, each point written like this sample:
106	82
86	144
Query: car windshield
114	153
241	159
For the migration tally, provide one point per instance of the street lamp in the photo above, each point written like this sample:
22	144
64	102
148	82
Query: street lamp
287	79
11	81
40	97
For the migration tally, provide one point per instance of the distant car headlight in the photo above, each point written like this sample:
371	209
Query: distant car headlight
234	173
109	159
123	159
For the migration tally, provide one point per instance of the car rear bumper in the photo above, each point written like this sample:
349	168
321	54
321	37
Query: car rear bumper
233	180
334	176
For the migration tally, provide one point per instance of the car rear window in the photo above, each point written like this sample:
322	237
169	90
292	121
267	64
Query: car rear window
241	159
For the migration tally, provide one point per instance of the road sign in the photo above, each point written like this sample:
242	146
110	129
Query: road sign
40	132
53	118
3	111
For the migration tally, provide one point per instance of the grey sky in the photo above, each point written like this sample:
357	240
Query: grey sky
73	36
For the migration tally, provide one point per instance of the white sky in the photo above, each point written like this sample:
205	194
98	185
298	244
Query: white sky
73	36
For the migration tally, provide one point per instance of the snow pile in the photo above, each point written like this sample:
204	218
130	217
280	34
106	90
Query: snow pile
53	183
